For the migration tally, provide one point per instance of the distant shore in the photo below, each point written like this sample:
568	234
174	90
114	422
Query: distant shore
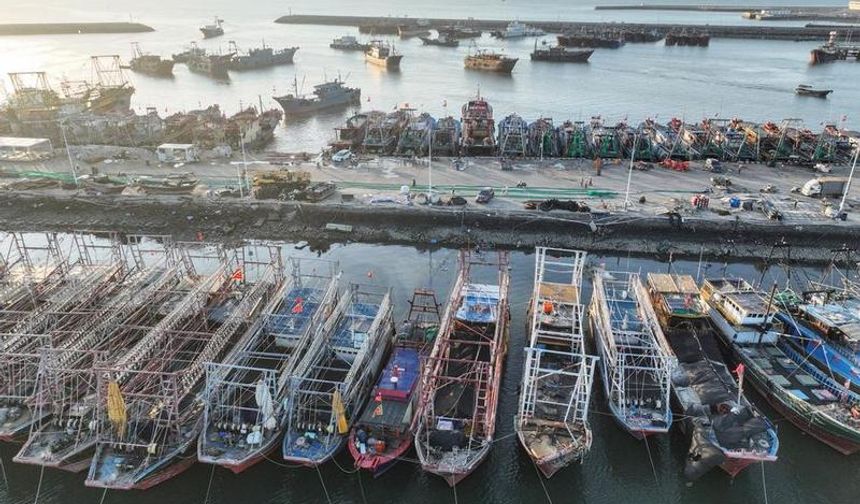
72	28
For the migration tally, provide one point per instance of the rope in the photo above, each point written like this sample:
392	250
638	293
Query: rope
342	469
39	486
763	483
322	482
209	486
650	459
3	468
104	494
454	486
361	486
540	478
281	464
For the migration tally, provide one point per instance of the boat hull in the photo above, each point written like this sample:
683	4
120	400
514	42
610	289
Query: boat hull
377	465
292	107
548	466
390	62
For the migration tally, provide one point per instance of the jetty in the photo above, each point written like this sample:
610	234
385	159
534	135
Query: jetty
752	31
72	28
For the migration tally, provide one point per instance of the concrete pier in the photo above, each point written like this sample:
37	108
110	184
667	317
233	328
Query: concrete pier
72	28
752	31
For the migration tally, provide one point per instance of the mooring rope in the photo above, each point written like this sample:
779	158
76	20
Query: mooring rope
763	482
104	494
322	482
209	486
39	486
361	487
650	459
3	468
540	478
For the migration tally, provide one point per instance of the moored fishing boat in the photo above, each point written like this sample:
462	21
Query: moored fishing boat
246	394
552	418
383	55
636	362
482	59
65	433
383	432
478	128
150	63
260	57
337	374
149	411
461	381
725	429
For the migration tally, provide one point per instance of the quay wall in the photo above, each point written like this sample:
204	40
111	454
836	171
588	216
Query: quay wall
230	220
751	31
72	28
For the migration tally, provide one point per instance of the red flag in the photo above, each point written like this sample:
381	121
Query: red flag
238	275
299	307
378	397
740	369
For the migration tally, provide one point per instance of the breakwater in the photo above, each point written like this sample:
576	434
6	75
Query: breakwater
72	28
755	31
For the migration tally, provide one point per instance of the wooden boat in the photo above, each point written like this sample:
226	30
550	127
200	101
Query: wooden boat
721	422
245	395
561	54
635	360
442	41
383	432
149	412
478	134
336	375
151	64
489	61
462	378
807	90
552	418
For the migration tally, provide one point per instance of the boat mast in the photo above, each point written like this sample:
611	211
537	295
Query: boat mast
848	185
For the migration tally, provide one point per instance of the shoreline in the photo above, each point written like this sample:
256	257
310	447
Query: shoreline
16	29
187	218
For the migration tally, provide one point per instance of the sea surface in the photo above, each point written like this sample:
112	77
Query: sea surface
618	469
750	79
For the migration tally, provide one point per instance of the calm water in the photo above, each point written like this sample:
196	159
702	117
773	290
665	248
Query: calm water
751	79
618	468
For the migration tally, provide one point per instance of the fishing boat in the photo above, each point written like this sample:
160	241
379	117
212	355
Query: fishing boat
260	57
543	141
351	135
513	136
807	90
415	139
561	54
574	138
478	128
383	55
446	137
214	65
590	40
348	43
725	429
552	417
337	374
459	32
383	432
151	64
408	31
604	141
246	395
87	292
636	362
515	29
442	40
64	434
328	95
461	380
213	30
383	130
489	61
149	414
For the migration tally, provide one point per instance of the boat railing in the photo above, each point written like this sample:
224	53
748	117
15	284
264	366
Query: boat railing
826	381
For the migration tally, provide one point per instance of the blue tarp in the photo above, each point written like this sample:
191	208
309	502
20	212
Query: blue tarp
352	330
405	361
295	312
480	303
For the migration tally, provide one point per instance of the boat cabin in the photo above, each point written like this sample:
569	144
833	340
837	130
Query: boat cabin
675	298
839	321
178	153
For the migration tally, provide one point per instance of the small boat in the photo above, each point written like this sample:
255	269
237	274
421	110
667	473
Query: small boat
150	63
636	361
561	54
384	55
515	29
213	30
552	418
325	96
586	39
214	65
807	90
405	31
348	43
383	432
459	32
441	41
260	57
716	415
245	395
192	50
461	381
490	61
336	375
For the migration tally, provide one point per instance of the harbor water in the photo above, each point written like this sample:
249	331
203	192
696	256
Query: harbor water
751	79
617	469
